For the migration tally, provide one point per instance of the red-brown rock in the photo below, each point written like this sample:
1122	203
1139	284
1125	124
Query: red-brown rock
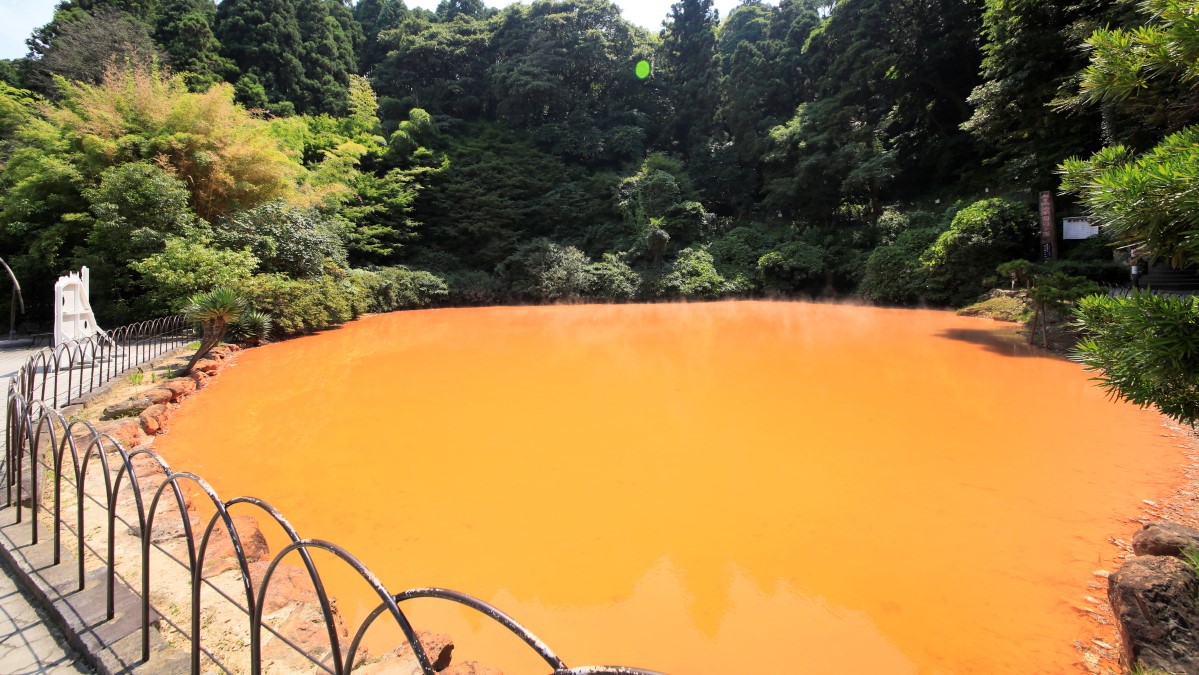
220	555
154	419
439	647
159	396
180	387
1164	538
289	584
471	668
209	366
1156	603
291	608
127	432
200	378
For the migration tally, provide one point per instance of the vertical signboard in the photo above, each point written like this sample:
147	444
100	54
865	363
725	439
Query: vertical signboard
1048	227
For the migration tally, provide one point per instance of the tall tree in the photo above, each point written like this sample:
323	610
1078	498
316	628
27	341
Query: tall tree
376	16
690	70
1030	59
184	30
420	54
262	37
83	44
565	69
889	92
447	10
327	51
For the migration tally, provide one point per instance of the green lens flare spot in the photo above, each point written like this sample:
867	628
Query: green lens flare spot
643	69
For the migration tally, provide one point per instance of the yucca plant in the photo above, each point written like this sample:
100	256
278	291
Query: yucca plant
253	327
213	311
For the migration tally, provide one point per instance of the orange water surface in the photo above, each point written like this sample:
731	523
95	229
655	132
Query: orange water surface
706	488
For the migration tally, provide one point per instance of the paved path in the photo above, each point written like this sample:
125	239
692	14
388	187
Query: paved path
28	644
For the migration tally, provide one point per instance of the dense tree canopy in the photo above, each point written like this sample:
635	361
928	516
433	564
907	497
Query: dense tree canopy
552	149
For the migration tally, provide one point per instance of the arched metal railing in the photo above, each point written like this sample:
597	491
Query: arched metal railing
60	374
38	435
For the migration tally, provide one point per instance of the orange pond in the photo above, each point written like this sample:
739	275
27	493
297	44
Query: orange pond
706	488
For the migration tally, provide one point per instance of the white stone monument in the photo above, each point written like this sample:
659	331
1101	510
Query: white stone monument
73	316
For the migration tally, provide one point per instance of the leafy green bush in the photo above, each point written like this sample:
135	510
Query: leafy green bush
300	306
981	237
613	279
474	287
252	327
692	275
544	270
187	266
1144	349
894	273
294	241
1092	258
403	288
792	266
736	254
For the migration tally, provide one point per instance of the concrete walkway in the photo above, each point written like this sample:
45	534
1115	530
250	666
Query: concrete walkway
28	644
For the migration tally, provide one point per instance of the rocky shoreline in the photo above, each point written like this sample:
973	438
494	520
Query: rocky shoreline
1151	603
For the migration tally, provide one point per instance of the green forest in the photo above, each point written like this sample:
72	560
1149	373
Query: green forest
327	158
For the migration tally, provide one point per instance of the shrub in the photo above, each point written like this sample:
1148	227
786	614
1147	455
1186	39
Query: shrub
187	266
300	305
792	266
474	287
544	270
894	273
693	274
252	327
980	238
294	241
736	254
1144	349
613	279
403	288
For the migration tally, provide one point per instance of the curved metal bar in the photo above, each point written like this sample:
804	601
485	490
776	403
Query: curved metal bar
366	574
198	571
25	441
126	465
16	284
146	535
81	490
483	608
319	586
97	444
606	670
44	421
68	442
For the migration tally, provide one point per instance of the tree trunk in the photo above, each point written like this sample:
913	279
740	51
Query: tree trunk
213	334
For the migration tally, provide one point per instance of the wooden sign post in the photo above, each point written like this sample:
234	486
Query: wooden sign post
1048	227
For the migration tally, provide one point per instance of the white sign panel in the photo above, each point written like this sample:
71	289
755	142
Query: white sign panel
1078	228
73	316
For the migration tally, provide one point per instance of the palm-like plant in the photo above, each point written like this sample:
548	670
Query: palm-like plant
252	327
214	311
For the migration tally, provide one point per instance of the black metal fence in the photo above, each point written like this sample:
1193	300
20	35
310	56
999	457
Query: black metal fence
58	375
69	451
